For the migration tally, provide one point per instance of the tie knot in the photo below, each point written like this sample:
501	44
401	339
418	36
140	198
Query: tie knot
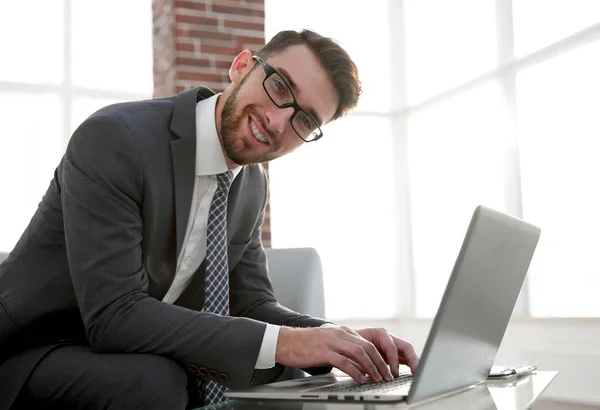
224	180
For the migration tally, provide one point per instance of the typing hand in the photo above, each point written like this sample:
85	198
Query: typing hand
356	353
396	351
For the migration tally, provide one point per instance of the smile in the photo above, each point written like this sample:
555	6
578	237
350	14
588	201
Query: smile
256	133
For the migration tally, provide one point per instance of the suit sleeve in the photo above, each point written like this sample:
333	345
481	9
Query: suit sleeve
102	189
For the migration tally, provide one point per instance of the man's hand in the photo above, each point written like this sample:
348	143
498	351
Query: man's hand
356	353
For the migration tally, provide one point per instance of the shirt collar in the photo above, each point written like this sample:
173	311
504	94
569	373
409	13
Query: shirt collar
210	159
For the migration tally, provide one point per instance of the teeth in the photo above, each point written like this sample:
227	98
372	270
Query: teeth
256	133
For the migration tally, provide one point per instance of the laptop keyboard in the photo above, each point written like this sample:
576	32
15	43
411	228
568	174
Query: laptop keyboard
402	381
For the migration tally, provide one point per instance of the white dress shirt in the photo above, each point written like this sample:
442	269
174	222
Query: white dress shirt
210	161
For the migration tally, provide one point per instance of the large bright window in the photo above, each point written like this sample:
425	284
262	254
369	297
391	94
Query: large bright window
559	103
468	102
61	61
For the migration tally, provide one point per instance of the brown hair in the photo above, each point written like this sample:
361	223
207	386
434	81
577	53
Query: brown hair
334	59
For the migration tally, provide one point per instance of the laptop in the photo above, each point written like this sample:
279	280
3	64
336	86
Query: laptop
467	330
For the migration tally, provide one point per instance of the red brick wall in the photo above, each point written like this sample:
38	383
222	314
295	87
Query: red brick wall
195	42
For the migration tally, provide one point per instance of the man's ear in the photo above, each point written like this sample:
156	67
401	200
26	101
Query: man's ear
241	66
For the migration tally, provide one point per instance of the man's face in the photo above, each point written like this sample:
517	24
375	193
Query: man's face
252	128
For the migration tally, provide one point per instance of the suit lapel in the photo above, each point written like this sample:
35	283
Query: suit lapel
183	153
232	200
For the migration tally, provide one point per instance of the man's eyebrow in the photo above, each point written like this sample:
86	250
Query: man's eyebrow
295	89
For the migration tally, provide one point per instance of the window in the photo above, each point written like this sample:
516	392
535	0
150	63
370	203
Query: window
442	49
465	103
356	223
560	149
80	57
456	159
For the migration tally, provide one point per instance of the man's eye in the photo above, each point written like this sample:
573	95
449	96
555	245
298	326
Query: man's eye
279	85
306	122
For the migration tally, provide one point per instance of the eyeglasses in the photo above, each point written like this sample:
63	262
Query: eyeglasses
282	96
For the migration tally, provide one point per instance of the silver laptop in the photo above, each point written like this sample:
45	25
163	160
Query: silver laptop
466	332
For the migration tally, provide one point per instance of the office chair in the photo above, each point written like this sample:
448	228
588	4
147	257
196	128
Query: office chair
297	278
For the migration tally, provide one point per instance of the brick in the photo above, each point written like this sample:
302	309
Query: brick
218	43
191	19
246	25
221	50
226	64
180	46
190	5
203	23
193	62
210	35
193	76
250	39
231	9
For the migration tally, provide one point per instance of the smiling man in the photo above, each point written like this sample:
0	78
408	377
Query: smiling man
141	280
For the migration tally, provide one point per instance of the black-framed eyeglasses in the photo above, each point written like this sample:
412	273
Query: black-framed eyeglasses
282	96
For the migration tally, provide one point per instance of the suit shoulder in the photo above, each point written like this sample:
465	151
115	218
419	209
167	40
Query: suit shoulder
257	173
126	110
146	121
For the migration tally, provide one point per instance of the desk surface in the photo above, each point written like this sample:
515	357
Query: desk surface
514	394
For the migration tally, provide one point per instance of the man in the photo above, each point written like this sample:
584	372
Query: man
141	280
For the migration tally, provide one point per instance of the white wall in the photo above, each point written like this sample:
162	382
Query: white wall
570	346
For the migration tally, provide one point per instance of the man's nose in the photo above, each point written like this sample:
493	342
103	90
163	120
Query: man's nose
279	118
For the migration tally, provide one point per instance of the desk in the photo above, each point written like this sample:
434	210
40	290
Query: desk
515	394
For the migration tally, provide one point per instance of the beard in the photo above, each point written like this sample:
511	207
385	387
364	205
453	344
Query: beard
237	147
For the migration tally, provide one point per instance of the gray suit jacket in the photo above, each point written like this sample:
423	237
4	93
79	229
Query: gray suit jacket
101	251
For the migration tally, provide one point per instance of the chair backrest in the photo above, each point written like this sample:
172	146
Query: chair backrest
297	277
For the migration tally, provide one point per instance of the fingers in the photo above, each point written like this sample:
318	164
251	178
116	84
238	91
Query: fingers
386	346
402	360
406	350
349	367
390	351
360	352
365	354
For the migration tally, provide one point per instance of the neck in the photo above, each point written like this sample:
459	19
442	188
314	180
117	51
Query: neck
218	112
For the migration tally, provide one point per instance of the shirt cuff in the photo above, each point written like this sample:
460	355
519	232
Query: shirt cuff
268	348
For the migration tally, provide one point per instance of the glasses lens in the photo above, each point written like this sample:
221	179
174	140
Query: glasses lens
305	127
278	90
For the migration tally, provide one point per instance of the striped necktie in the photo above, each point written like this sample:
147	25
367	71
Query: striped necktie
216	283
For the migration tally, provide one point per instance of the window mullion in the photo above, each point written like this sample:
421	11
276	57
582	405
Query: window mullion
403	277
512	166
